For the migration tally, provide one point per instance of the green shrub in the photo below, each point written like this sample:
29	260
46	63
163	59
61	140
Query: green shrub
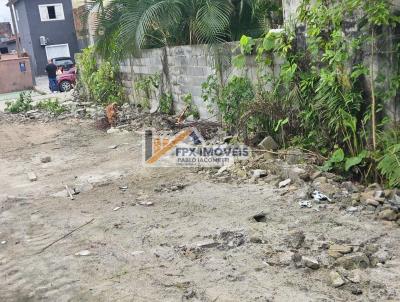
51	106
99	82
235	98
22	104
146	87
166	103
192	108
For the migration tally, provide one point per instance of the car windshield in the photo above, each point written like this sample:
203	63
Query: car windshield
64	62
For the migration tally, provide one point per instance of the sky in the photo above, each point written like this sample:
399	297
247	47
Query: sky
4	11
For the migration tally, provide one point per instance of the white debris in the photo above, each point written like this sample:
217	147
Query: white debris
318	196
222	169
352	209
117	131
3	242
113	147
305	204
116	209
136	253
207	244
83	253
146	203
259	173
32	176
284	183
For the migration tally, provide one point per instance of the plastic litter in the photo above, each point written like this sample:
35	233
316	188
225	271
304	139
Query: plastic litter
83	253
305	204
318	196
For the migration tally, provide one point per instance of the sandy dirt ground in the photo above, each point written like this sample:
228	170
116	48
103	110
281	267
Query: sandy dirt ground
164	234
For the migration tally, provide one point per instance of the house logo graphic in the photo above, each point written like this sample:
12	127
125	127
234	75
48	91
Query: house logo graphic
188	148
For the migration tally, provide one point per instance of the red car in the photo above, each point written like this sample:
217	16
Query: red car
66	80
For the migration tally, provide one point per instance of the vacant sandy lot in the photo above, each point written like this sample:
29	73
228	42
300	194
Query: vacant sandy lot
168	234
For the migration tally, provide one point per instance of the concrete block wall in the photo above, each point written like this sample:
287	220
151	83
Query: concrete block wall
182	70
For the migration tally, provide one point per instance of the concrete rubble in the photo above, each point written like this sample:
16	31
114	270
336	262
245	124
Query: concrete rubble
268	236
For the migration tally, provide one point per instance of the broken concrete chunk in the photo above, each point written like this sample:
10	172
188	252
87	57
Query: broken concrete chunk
352	209
354	276
296	239
83	187
32	176
285	258
258	173
388	214
284	183
45	159
353	261
371	202
222	169
380	256
268	143
337	250
311	262
336	279
207	244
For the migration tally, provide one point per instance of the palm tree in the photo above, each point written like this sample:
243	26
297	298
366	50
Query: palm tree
125	26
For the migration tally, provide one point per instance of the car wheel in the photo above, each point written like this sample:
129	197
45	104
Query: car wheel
65	86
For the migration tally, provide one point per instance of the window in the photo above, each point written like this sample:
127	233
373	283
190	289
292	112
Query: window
51	12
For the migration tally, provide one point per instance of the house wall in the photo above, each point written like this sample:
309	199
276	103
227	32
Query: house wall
11	77
25	31
57	32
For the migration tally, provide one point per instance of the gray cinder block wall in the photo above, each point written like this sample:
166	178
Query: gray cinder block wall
182	70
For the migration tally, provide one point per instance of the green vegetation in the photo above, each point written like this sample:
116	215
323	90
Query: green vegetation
192	108
52	106
320	101
146	87
166	103
130	25
22	104
99	83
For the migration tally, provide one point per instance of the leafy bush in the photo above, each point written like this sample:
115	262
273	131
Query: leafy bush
52	106
146	87
22	104
389	165
99	83
166	103
324	97
210	92
192	108
235	97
